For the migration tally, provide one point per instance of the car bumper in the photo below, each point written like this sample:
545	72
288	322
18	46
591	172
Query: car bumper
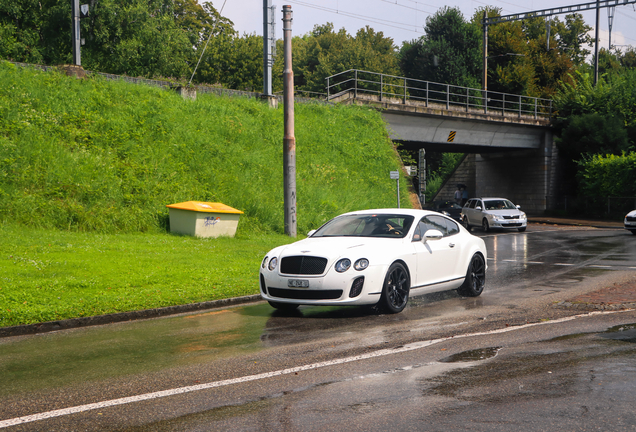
514	223
327	290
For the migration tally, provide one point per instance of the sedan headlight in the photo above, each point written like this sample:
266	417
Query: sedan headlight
264	263
343	265
273	263
522	216
361	264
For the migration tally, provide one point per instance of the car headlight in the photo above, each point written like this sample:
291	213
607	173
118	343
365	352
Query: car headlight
264	263
522	216
343	265
272	263
361	264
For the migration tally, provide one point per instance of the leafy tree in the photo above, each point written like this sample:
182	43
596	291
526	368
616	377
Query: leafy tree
532	56
34	31
324	52
449	52
136	37
593	133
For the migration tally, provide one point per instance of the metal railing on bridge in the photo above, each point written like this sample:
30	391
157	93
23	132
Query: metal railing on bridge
393	89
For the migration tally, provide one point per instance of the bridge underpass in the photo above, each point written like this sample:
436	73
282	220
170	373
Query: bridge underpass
507	139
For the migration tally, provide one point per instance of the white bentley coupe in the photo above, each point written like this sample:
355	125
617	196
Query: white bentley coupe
375	257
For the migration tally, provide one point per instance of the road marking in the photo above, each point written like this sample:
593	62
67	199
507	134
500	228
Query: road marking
215	384
564	264
599	266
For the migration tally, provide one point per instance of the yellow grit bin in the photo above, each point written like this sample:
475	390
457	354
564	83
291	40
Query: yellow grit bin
203	219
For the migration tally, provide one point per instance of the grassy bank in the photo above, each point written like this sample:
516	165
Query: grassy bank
88	166
48	275
102	156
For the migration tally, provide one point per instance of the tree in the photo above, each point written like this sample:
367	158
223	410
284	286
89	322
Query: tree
136	37
448	53
324	52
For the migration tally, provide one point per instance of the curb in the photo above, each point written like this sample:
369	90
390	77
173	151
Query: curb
595	306
593	224
29	329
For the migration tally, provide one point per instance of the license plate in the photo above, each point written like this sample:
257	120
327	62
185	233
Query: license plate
298	283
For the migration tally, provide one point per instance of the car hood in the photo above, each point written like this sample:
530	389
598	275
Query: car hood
504	212
631	213
333	247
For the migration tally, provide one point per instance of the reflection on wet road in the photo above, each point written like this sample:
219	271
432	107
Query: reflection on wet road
69	368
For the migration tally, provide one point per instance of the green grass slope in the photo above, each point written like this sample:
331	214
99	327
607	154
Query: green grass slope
88	166
103	156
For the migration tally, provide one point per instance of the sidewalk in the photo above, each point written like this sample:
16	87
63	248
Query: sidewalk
555	220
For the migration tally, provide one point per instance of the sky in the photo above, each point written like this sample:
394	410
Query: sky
403	20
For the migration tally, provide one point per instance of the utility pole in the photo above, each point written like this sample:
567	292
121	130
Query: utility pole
610	22
598	21
75	32
289	141
269	46
484	79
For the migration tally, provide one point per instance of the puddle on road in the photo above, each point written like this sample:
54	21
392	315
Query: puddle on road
623	333
472	355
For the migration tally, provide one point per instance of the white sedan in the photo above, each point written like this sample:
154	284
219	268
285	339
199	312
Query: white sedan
630	221
374	257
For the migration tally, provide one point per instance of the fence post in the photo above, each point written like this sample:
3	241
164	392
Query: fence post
467	101
519	106
447	96
536	102
327	88
381	85
485	101
355	84
426	94
404	91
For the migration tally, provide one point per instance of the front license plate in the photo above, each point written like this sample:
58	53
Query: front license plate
298	283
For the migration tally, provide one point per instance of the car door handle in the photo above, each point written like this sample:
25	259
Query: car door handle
451	245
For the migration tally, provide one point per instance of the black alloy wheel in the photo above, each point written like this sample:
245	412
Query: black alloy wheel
395	292
475	280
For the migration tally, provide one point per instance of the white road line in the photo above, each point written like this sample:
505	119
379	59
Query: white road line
599	266
564	264
215	384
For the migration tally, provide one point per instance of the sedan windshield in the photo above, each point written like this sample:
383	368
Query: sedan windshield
377	225
499	204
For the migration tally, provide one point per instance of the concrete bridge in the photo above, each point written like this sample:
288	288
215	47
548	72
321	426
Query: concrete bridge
507	138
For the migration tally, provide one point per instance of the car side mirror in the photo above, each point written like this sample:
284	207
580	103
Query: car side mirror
518	206
310	233
478	208
433	234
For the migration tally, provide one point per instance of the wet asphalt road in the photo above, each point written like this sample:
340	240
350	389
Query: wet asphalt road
508	360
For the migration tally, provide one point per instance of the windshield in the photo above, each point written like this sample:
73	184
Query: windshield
499	204
368	225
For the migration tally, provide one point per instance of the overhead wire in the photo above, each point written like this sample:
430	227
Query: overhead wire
338	11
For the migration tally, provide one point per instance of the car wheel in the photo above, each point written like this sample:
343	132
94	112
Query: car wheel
466	224
282	306
522	229
475	277
395	292
485	226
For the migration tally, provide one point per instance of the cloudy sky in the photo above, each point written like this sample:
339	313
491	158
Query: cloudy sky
403	20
